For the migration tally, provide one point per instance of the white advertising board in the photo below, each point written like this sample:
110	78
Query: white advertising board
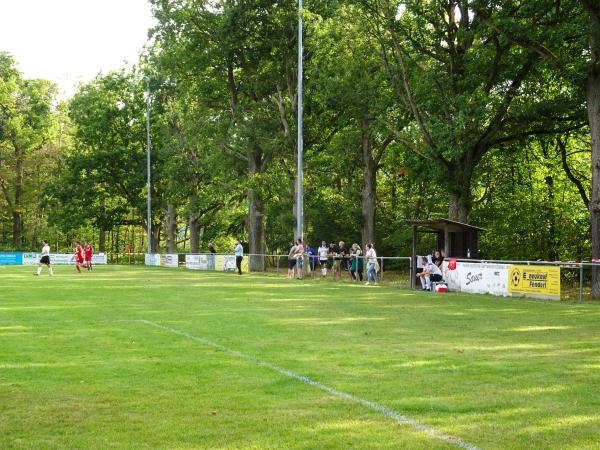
478	278
152	259
169	260
229	263
197	262
61	258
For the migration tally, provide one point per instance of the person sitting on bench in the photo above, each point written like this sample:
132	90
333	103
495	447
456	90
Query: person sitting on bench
430	273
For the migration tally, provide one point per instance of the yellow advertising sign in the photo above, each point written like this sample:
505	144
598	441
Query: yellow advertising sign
534	280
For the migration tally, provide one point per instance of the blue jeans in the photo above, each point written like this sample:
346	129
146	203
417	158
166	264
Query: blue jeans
371	273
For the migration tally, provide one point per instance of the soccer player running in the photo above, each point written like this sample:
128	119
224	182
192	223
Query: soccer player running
44	260
88	251
78	256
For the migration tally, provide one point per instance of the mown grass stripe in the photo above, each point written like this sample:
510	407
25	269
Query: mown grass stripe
388	412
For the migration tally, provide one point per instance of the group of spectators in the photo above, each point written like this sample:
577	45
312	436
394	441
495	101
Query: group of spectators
430	269
336	258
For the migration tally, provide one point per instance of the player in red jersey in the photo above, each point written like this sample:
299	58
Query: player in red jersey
78	256
88	251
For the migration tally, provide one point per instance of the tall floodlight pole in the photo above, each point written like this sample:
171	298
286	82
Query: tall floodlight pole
300	185
148	166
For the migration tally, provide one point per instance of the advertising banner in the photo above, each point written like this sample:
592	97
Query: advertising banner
11	258
100	258
200	262
152	259
169	260
31	258
61	258
478	278
535	281
192	262
228	263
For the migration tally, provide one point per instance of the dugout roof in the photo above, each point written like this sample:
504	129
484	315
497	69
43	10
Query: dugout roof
441	224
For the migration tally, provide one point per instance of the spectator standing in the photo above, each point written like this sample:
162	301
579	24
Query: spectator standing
312	260
44	260
323	252
334	252
239	255
299	255
356	266
211	257
371	265
292	260
344	259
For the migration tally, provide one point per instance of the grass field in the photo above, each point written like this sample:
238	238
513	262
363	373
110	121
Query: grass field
157	358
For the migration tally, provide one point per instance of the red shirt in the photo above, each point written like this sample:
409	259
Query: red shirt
79	252
88	252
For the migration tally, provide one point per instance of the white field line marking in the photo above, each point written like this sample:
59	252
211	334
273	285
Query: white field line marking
390	413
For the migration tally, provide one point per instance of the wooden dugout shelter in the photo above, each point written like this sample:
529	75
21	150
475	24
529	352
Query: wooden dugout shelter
459	240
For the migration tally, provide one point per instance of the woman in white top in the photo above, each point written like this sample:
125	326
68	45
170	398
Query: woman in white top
323	252
371	256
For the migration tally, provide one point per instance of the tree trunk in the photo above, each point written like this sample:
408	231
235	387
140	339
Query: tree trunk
171	229
102	240
256	213
17	214
194	235
460	197
155	241
101	223
369	185
256	232
593	108
458	210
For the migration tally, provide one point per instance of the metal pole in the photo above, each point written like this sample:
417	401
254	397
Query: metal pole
299	186
148	166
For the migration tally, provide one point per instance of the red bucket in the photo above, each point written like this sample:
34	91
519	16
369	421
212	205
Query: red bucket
452	264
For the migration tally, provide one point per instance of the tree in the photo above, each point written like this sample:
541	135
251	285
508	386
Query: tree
239	56
105	175
25	128
593	109
347	78
474	77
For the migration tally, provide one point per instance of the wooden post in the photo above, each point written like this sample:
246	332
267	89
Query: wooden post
446	241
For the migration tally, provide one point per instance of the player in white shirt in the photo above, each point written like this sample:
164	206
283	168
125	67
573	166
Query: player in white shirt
430	273
44	259
323	252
